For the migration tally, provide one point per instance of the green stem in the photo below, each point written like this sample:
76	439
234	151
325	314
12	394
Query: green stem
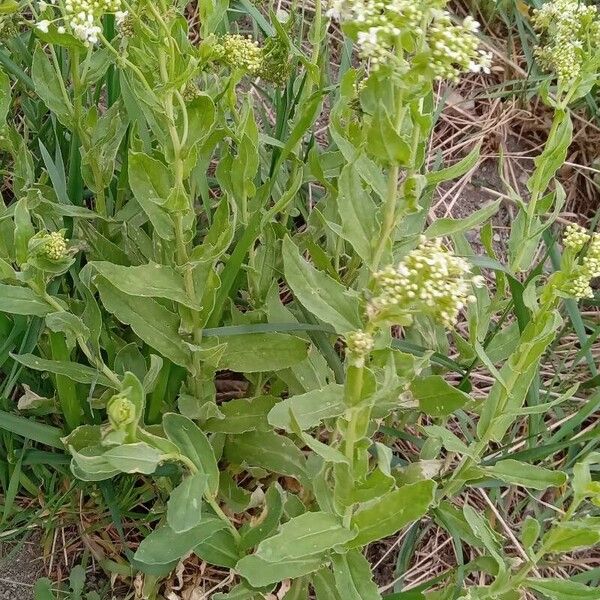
389	215
537	192
391	198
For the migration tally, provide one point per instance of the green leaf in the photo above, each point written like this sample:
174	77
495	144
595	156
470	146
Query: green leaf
530	476
42	590
16	300
437	397
457	170
268	520
443	227
390	513
306	535
267	450
573	535
357	213
151	183
324	297
90	464
325	586
134	458
309	409
384	141
147	281
484	533
149	178
562	589
259	572
508	394
193	443
449	440
259	352
31	430
49	87
353	576
74	371
219	549
241	415
150	321
164	545
71	325
530	531
5	96
184	508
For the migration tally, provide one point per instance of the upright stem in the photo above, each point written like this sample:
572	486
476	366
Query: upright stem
353	388
391	197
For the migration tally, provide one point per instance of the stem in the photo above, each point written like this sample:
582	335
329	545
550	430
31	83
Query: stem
389	215
391	198
537	192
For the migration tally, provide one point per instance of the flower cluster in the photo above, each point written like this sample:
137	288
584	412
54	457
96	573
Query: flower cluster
82	17
430	280
455	48
360	344
575	237
578	280
380	27
270	62
571	35
240	52
54	246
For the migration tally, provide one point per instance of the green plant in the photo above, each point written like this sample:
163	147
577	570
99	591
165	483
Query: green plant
42	589
159	217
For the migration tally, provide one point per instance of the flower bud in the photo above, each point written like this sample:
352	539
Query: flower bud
121	412
360	344
55	246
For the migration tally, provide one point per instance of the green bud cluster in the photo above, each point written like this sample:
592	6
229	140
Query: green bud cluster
240	52
276	60
575	237
570	34
430	280
121	412
54	246
577	280
360	344
270	62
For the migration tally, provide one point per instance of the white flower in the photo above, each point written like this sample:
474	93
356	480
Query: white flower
120	16
430	280
42	5
43	25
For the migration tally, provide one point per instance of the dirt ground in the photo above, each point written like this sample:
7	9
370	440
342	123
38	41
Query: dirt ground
20	567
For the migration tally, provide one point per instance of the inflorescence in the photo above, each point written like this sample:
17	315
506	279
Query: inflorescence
82	17
360	344
55	246
430	280
379	28
579	279
270	62
240	52
570	36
